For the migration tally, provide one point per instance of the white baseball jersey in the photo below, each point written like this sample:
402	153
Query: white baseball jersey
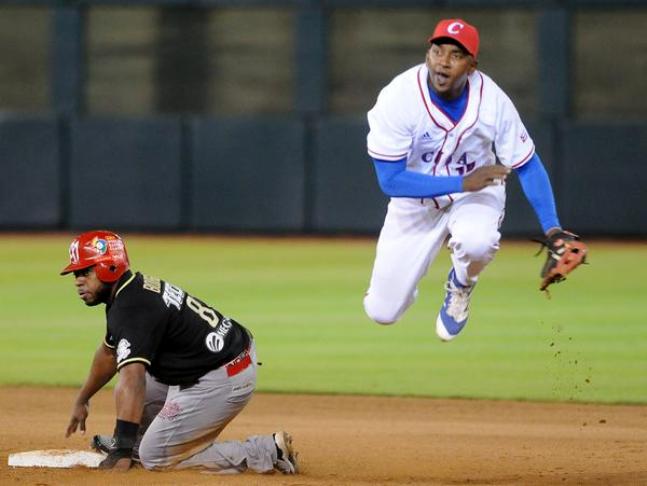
405	122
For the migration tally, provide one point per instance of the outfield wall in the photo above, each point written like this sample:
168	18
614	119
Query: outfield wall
209	174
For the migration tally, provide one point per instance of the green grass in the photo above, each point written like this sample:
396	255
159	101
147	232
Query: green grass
303	300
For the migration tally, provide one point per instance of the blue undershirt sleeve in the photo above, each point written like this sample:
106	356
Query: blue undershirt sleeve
536	186
396	181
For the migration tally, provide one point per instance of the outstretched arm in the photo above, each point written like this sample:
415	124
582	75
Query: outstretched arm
396	181
565	250
103	368
536	186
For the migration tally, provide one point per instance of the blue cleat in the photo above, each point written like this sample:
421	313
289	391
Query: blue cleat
455	310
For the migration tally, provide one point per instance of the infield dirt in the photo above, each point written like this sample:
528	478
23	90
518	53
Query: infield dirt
353	440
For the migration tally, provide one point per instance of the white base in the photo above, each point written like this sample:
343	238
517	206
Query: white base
61	458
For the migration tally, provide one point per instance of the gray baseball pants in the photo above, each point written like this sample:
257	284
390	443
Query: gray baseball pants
180	425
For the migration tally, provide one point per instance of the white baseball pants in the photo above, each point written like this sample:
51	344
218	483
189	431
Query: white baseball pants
412	236
183	433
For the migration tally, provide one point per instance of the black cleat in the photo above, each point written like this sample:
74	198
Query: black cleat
103	444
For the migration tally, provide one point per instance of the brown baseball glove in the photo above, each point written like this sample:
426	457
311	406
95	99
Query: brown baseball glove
565	254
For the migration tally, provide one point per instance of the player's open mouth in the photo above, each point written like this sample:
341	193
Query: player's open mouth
441	78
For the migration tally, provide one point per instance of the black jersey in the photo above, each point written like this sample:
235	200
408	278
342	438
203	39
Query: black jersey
178	337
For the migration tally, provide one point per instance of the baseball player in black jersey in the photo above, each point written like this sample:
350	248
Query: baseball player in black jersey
185	370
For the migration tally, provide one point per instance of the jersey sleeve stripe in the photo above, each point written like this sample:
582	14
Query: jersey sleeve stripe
525	159
381	156
105	343
133	360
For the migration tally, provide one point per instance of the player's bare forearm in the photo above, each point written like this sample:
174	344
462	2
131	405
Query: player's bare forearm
482	177
130	392
103	368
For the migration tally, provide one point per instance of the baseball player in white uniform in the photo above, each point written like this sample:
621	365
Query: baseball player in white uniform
436	133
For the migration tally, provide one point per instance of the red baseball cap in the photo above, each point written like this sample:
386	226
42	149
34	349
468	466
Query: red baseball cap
459	30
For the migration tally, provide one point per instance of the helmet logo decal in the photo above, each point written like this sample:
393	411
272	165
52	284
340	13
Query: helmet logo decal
74	251
455	27
100	245
115	245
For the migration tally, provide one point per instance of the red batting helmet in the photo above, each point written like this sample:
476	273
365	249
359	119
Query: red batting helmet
104	250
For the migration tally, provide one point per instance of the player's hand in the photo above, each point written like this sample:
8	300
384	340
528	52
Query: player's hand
490	175
118	460
80	412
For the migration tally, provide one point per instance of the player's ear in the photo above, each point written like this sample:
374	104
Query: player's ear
474	65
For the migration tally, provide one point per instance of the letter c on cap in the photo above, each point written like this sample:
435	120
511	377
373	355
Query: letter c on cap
455	27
